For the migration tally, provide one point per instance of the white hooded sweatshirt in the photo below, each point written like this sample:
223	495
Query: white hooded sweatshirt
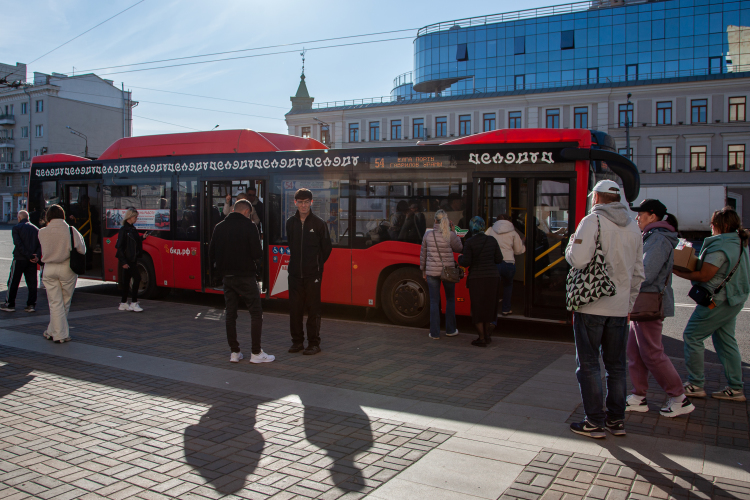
622	244
508	239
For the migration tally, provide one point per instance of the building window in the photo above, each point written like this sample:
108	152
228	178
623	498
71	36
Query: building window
39	131
581	117
374	131
698	158
354	132
736	157
627	154
567	40
520	82
519	45
39	106
325	134
7	180
24	155
663	159
715	65
462	53
395	129
24	132
488	122
736	109
664	113
24	181
593	75
417	128
514	119
626	115
631	72
553	118
24	108
306	132
699	110
464	125
441	126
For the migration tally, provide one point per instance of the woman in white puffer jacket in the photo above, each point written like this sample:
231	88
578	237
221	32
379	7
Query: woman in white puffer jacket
510	245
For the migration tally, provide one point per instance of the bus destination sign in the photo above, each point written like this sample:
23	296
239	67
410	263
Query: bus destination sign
397	162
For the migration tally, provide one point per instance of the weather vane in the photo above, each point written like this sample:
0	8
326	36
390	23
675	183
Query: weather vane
303	59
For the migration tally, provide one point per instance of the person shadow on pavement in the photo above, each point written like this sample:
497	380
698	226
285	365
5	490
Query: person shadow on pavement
13	377
224	447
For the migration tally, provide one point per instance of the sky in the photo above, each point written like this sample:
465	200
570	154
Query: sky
247	92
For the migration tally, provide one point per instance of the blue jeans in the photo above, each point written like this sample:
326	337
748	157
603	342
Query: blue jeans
433	283
609	336
507	271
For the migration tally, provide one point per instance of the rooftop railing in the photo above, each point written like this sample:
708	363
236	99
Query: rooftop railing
517	15
403	79
528	86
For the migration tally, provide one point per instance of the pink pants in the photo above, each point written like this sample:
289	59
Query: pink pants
646	354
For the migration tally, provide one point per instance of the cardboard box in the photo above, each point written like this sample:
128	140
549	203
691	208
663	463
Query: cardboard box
685	259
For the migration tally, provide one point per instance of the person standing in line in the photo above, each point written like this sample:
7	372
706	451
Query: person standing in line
58	278
129	248
601	326
309	248
481	254
645	348
234	240
258	207
240	196
26	254
438	246
510	245
720	253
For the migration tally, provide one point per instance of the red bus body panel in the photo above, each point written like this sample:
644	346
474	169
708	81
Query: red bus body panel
55	158
526	136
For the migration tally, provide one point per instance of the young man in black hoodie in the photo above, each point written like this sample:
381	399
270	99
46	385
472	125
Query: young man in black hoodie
25	258
309	247
234	250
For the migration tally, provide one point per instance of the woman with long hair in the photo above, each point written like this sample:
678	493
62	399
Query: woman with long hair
438	246
481	254
645	349
129	248
725	249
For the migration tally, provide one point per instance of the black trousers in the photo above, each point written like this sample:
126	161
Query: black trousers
131	273
245	288
18	269
304	296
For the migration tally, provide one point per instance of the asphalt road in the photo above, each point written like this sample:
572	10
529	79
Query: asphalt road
673	327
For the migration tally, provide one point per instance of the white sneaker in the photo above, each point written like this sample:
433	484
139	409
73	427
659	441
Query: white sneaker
135	307
693	390
675	408
451	334
124	306
261	358
235	357
636	403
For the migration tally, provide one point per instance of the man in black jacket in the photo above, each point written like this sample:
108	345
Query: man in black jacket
25	258
234	249
309	247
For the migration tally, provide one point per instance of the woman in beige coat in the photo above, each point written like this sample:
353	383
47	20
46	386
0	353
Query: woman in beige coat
58	278
510	245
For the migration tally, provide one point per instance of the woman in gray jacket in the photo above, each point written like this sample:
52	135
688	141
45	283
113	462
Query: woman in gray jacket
645	349
440	241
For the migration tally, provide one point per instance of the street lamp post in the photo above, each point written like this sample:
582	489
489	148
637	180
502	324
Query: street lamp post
330	130
83	136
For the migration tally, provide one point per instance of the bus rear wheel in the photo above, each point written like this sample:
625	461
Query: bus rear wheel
148	288
405	297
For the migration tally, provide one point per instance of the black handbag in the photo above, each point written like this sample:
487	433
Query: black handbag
77	260
702	296
450	274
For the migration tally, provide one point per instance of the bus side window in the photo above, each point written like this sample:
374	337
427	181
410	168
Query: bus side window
187	225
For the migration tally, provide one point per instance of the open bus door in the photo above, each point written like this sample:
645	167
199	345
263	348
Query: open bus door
82	202
215	201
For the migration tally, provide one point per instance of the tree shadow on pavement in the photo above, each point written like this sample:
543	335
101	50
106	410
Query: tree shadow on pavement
13	376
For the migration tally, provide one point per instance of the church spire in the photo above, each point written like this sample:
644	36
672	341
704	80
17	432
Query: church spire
302	100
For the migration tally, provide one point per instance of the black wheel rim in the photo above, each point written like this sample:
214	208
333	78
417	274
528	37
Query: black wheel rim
409	298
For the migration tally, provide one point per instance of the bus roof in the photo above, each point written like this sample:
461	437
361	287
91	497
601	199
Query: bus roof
57	158
218	141
526	135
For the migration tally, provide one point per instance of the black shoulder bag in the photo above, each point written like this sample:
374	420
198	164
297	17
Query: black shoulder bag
77	260
450	274
702	296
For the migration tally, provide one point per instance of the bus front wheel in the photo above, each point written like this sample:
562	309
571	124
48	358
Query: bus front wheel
405	297
148	288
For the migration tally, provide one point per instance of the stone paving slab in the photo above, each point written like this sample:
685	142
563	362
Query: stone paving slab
70	429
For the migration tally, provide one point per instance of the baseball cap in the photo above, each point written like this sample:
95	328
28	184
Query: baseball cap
606	186
653	207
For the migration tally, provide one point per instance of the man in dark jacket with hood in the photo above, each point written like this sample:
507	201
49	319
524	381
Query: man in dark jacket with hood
233	251
309	247
25	258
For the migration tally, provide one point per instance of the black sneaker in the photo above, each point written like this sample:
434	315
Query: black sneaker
7	308
296	348
616	427
313	349
586	428
30	309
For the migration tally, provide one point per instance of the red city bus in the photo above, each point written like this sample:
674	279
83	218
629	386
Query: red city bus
377	203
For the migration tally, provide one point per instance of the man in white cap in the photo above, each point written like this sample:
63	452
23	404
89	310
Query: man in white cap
601	326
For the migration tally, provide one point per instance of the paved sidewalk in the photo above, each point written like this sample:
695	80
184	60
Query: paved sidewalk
147	406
